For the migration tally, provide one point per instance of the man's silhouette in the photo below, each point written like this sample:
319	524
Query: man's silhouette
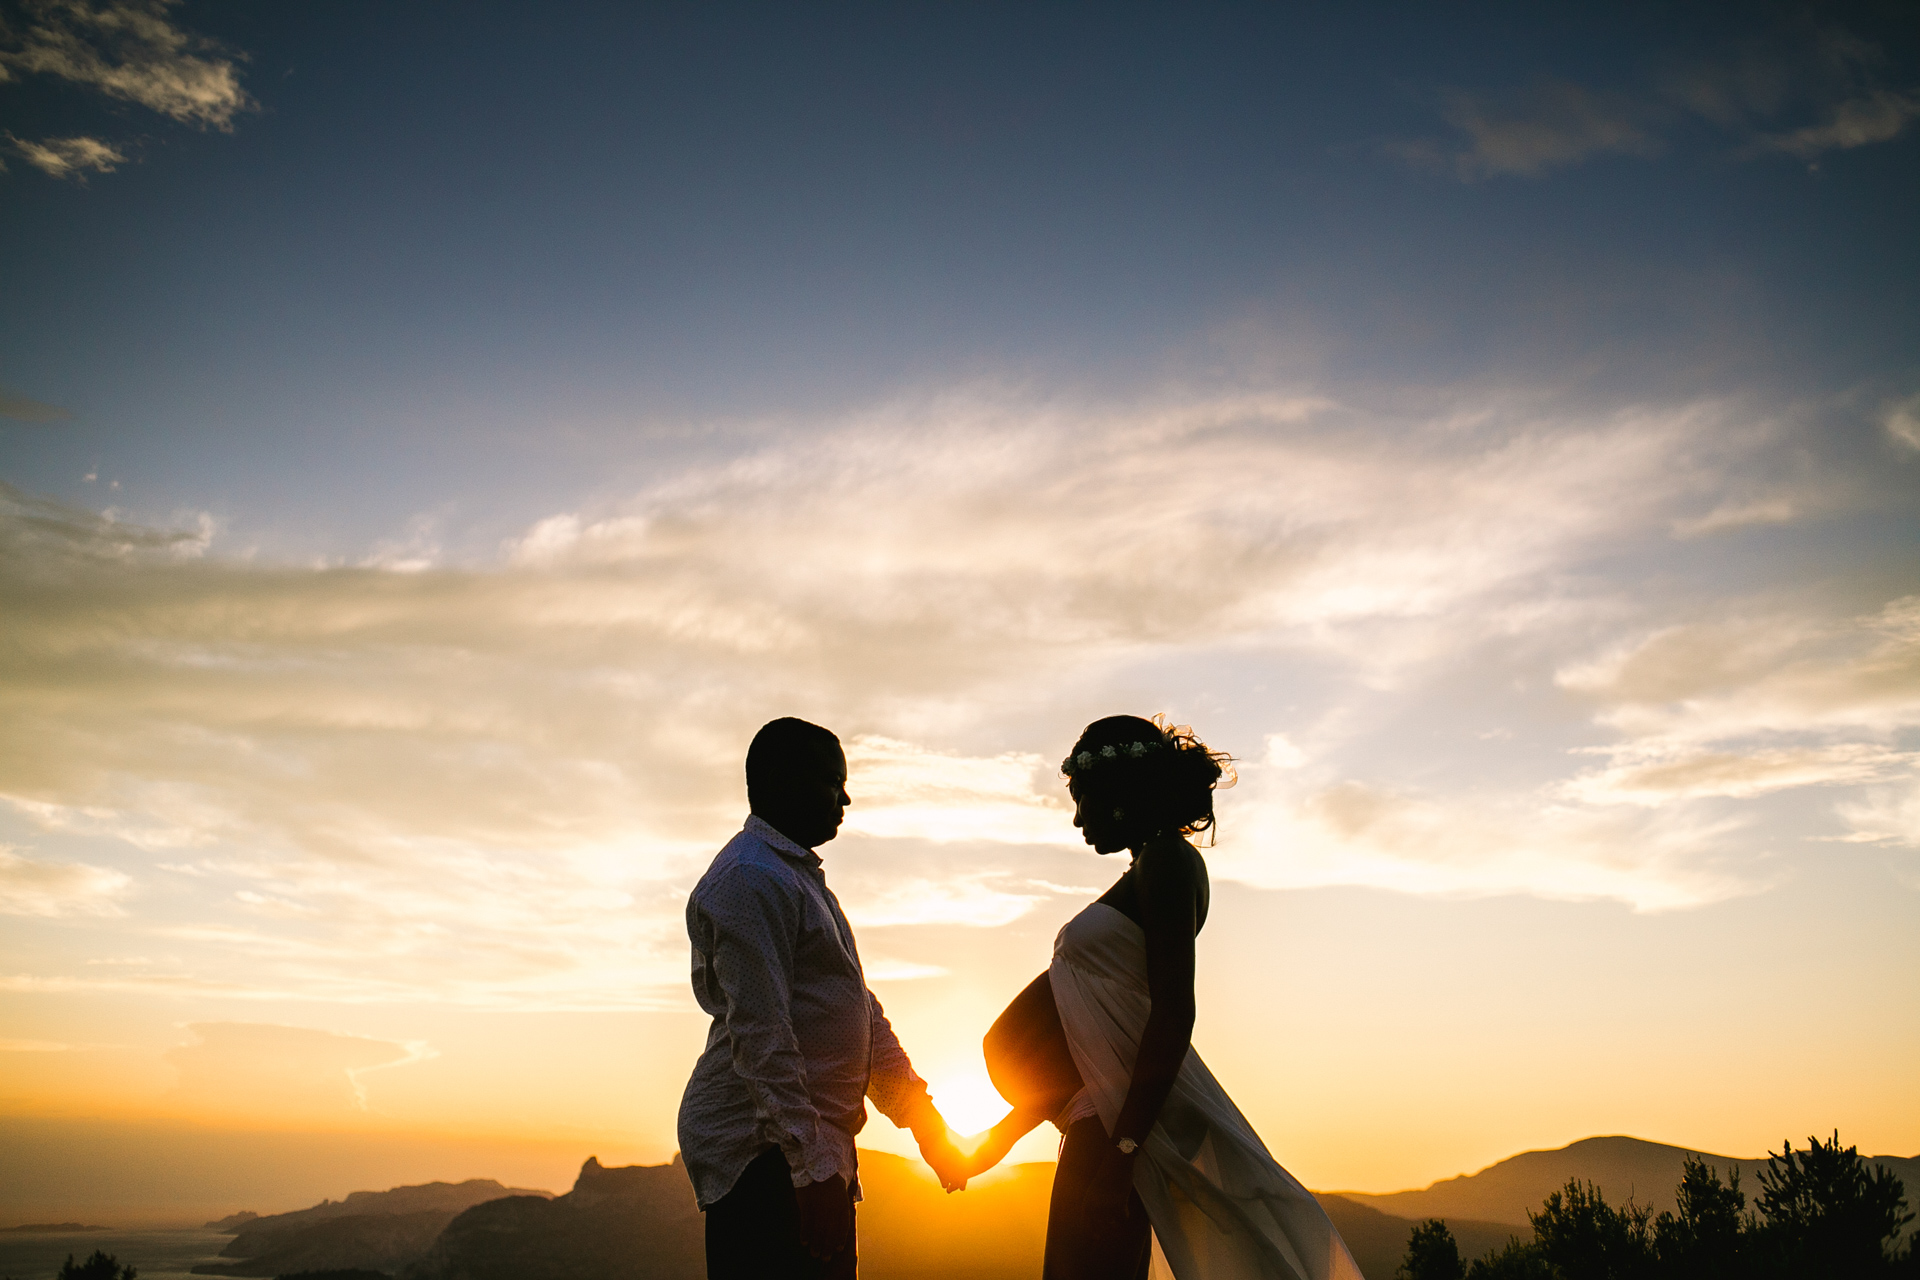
798	1042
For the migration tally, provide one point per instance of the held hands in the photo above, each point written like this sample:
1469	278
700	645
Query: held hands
937	1148
990	1148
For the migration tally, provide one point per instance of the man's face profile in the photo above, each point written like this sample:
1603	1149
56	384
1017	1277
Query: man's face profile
811	799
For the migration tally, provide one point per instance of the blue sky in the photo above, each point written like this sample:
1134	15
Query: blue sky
437	437
459	255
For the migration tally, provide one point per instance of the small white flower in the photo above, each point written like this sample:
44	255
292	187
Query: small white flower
1137	749
1109	752
1085	758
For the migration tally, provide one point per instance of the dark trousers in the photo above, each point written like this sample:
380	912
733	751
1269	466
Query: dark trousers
753	1232
1080	1249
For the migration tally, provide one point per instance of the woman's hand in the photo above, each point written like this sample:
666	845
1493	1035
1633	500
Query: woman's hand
991	1147
1109	1194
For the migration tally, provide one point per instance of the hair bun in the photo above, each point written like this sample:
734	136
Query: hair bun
1166	772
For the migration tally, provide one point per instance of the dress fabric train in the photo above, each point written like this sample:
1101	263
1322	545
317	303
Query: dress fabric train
1222	1208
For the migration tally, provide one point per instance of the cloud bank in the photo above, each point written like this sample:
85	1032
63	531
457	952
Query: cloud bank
493	783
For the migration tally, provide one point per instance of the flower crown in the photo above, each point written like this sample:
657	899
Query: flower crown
1074	766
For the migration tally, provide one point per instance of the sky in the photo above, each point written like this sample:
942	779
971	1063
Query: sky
435	437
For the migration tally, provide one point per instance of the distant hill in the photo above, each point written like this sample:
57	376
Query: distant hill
1378	1241
374	1230
361	1241
251	1230
232	1221
640	1222
909	1229
634	1223
1621	1167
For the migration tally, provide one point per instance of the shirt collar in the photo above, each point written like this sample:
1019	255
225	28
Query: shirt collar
772	837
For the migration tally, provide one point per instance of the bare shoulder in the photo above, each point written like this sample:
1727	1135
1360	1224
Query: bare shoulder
1168	860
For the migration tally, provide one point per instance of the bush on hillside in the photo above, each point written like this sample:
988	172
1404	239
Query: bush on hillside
101	1266
1827	1213
1432	1254
1705	1238
1518	1261
1584	1238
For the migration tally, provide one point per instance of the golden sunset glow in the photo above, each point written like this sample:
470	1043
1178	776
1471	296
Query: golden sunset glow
420	476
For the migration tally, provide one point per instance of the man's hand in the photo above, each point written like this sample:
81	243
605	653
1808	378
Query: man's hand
938	1150
826	1216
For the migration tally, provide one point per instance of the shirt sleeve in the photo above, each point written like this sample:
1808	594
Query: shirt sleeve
892	1085
754	921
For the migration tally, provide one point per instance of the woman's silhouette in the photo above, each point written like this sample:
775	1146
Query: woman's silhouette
1153	1146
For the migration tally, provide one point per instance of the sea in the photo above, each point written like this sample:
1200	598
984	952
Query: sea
157	1255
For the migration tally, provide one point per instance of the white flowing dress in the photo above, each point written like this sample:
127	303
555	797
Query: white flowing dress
1222	1208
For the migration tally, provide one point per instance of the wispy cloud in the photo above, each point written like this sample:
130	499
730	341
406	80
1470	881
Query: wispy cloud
23	408
1654	776
126	50
130	50
1902	421
68	157
1551	124
910	792
1707	682
1887	815
1306	833
30	887
1744	706
1827	78
1880	116
245	1069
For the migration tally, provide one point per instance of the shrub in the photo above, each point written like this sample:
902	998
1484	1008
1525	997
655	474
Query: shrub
1515	1262
1431	1254
1827	1213
1704	1238
101	1266
1584	1238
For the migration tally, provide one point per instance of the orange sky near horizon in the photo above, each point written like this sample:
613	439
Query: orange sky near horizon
433	439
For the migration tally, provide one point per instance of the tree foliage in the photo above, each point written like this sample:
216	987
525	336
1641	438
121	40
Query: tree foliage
1432	1254
101	1266
1822	1214
1518	1261
1584	1238
1704	1238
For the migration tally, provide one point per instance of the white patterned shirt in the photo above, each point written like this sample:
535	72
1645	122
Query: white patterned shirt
797	1040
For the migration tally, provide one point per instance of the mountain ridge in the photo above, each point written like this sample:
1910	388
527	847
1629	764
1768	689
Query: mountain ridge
640	1222
1623	1167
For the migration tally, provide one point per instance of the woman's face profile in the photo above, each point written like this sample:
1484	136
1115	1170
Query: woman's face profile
1099	827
